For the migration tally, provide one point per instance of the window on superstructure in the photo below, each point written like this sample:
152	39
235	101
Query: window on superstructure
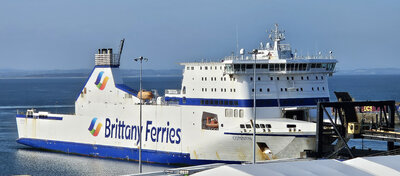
211	102
262	125
323	88
260	90
224	90
184	90
235	113
192	68
206	102
216	102
221	102
292	78
205	89
281	67
268	90
205	78
319	65
258	66
318	88
201	68
251	78
257	125
322	77
236	103
287	78
249	66
202	89
225	102
211	68
252	90
297	89
316	77
264	66
313	65
268	125
248	126
301	89
277	78
228	112
234	90
215	68
285	89
220	67
205	68
308	78
281	89
202	78
272	78
259	78
187	68
242	126
241	113
201	101
302	78
242	67
224	78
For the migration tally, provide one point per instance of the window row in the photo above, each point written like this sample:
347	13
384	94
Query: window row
220	102
290	78
215	79
215	90
283	67
249	126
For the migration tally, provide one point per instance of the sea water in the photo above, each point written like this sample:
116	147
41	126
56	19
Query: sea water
58	95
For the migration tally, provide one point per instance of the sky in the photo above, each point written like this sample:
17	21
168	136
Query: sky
47	34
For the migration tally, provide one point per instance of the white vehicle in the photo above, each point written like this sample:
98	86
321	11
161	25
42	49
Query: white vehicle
210	119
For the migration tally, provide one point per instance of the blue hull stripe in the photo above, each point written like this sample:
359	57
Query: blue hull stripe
103	151
269	134
248	102
38	117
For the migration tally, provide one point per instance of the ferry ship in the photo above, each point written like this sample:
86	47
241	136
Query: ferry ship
210	119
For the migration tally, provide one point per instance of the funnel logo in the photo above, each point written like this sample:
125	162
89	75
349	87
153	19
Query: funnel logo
101	85
91	129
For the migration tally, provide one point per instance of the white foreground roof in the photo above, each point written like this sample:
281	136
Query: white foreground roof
380	165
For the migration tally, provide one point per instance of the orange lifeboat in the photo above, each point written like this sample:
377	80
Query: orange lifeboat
146	95
212	122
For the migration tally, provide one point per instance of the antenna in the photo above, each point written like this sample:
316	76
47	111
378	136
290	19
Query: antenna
121	47
237	40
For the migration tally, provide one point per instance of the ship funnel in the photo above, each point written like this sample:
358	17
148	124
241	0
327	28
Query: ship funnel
105	57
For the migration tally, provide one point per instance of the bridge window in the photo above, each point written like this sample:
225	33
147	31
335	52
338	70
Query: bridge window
264	66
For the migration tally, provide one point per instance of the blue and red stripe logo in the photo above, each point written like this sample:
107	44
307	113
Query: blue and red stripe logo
92	130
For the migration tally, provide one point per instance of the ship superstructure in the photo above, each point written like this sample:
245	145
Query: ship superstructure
208	120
